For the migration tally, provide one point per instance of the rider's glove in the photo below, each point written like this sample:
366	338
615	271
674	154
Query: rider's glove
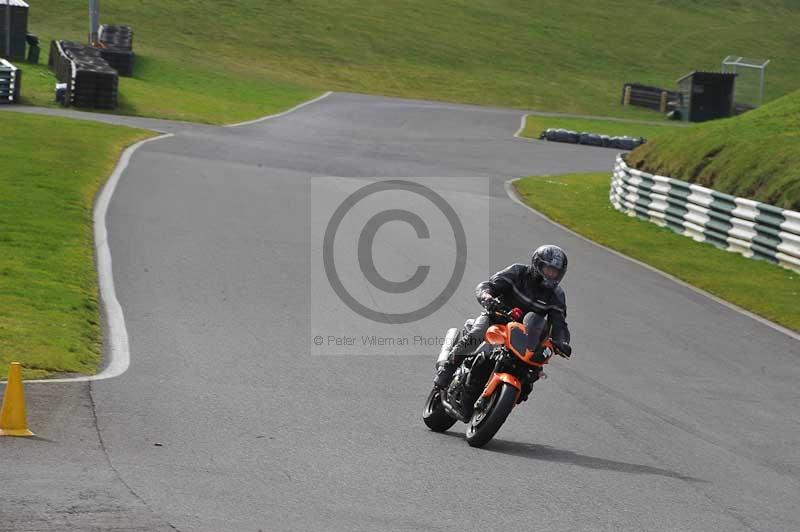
489	303
563	348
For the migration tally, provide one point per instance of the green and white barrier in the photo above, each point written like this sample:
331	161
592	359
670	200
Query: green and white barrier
9	82
745	226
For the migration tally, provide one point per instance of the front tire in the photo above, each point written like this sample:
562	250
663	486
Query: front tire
486	422
434	415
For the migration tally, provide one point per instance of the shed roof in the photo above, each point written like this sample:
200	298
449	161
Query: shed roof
14	3
693	72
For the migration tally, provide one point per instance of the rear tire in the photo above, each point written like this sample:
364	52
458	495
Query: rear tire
486	422
434	415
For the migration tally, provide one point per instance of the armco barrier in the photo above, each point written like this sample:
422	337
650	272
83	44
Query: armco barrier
10	79
745	226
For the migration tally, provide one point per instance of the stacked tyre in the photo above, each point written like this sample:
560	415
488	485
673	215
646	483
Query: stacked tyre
117	47
90	81
591	139
560	135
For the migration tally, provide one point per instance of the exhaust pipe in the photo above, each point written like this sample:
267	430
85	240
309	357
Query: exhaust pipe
453	412
449	341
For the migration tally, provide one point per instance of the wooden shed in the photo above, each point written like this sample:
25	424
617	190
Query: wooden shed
19	28
706	95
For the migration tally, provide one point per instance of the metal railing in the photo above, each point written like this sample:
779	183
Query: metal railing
748	227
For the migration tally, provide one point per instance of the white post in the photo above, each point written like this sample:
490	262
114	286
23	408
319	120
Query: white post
763	75
8	29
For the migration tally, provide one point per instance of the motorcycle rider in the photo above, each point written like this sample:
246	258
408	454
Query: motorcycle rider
518	286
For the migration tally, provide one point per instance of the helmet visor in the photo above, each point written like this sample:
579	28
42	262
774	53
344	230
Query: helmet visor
551	273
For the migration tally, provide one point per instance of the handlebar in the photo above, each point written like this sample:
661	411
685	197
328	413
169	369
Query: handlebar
537	306
515	314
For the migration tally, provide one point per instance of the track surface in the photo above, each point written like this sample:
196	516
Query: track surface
676	412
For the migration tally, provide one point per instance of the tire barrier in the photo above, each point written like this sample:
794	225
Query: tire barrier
117	47
90	81
753	229
591	139
33	48
10	81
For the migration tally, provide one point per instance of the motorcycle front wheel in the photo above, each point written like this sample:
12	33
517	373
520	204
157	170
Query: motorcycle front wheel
487	420
434	415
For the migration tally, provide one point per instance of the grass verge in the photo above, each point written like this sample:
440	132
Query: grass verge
535	124
580	202
180	92
51	171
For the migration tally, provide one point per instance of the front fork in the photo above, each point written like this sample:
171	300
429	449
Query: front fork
497	379
501	374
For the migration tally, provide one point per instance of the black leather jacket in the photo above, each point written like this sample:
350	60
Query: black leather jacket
515	286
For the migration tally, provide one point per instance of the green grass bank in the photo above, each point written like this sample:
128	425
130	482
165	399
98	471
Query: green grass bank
580	202
222	61
755	155
51	171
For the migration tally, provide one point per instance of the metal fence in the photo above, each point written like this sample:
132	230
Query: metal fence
748	227
749	79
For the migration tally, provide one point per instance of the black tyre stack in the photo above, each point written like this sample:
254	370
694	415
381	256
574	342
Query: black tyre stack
591	139
560	135
91	82
117	47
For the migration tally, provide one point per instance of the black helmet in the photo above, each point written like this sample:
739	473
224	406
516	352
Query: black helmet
549	265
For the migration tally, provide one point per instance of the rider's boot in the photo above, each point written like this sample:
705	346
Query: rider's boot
446	370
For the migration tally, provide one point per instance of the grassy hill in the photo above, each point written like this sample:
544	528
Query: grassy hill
225	60
755	155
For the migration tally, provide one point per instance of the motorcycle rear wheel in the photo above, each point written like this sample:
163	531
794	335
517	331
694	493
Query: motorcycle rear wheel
434	415
487	421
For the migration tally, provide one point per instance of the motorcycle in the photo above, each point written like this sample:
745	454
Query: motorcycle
490	382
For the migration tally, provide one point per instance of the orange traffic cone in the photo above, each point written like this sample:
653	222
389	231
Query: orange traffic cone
13	419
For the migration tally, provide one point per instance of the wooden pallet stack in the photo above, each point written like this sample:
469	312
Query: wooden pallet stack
654	98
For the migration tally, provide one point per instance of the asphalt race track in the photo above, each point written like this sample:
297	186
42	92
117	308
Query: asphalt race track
675	413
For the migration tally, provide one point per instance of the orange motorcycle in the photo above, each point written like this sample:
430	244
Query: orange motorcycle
495	378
